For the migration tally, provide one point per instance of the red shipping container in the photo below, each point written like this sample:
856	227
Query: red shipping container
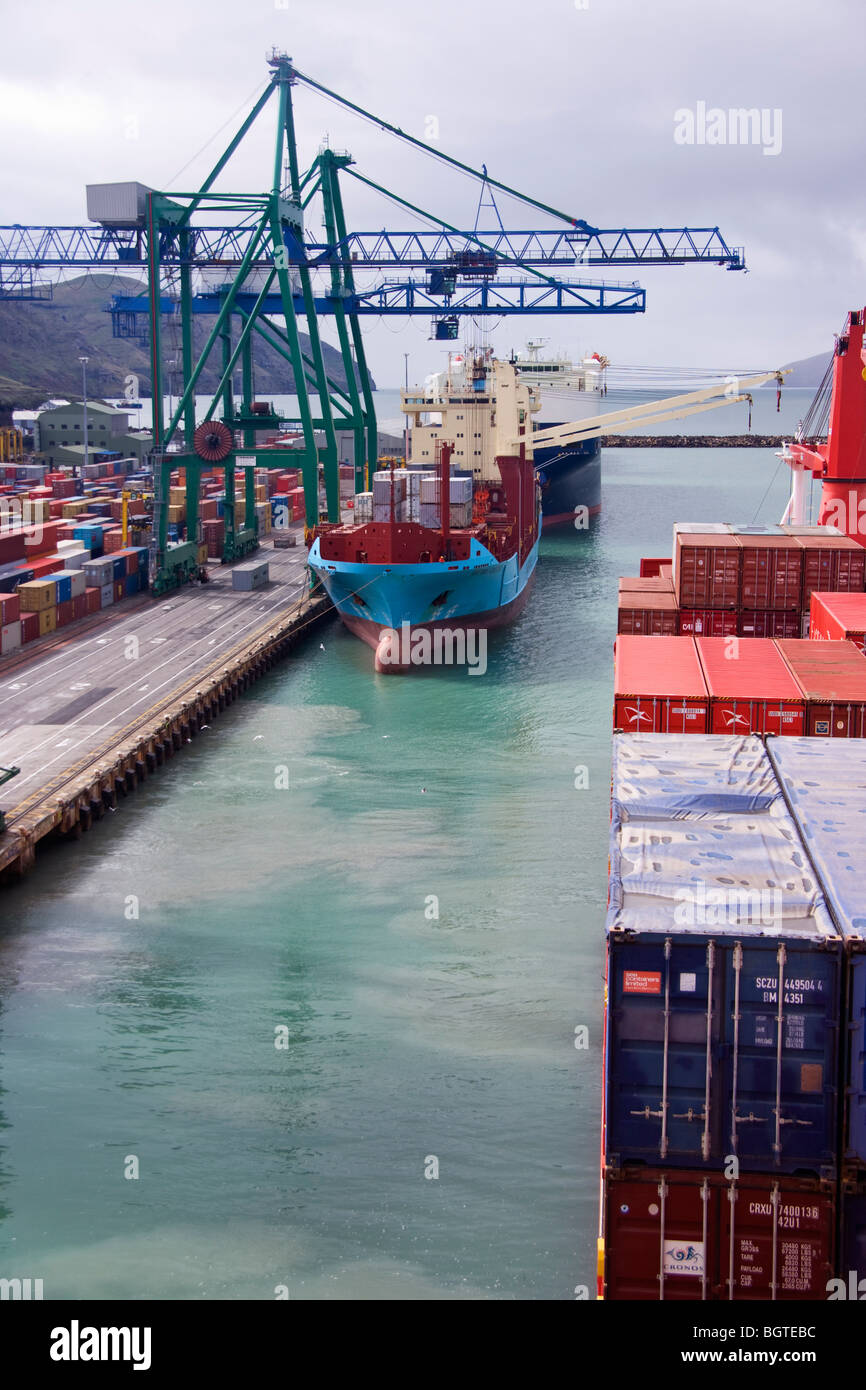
772	573
676	1235
29	626
79	606
659	686
653	614
11	547
832	677
10	609
48	564
646	584
707	570
832	563
708	622
769	624
65	613
838	617
94	600
40	540
750	687
650	566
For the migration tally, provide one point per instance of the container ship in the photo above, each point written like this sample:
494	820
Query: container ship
435	555
733	1153
460	405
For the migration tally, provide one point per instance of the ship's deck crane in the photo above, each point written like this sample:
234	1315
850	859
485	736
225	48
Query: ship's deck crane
274	269
511	435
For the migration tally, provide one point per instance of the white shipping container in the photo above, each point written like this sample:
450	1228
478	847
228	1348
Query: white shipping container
10	637
106	595
430	489
78	583
461	489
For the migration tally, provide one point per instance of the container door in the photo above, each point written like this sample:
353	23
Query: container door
660	1237
664	1033
780	1071
775	1243
855	1139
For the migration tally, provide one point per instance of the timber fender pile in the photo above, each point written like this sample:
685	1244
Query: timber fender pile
82	794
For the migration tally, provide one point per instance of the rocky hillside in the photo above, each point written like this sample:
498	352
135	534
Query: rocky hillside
41	341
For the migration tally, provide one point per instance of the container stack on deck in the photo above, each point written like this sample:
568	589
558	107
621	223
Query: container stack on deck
741	581
734	1127
735	1098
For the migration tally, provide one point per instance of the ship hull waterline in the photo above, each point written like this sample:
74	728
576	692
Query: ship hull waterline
387	606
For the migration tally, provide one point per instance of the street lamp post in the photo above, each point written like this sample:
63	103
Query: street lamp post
84	361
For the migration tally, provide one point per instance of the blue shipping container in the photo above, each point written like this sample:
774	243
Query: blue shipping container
852	1243
824	781
724	966
132	584
63	580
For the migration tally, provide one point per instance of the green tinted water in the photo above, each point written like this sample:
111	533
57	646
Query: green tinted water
410	1037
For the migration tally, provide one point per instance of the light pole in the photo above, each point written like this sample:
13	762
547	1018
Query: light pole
406	426
84	361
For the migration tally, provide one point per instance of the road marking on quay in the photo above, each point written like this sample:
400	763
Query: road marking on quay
116	696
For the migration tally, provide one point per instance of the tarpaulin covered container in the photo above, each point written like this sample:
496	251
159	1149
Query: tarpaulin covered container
659	685
751	690
832	677
838	617
724	966
672	1235
824	781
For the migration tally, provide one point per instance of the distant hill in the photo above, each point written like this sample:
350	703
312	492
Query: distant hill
41	341
809	371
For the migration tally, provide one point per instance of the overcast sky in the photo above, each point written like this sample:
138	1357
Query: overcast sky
573	101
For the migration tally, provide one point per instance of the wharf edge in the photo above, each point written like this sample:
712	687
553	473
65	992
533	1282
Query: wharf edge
70	803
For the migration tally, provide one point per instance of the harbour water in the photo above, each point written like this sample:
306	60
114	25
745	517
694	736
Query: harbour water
289	1007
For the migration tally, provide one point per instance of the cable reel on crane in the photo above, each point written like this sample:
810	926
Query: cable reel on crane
213	441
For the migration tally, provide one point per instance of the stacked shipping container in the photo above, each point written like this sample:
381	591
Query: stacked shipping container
724	1060
739	685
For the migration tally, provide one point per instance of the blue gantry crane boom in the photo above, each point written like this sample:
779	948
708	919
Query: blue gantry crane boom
279	279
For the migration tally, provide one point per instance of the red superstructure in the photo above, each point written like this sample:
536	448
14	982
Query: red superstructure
840	461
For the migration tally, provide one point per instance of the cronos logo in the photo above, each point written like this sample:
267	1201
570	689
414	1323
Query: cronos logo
681	1257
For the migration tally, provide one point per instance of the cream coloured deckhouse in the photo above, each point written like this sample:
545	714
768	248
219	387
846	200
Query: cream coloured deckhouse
460	407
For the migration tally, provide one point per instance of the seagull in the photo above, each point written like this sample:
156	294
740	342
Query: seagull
256	737
321	646
423	790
